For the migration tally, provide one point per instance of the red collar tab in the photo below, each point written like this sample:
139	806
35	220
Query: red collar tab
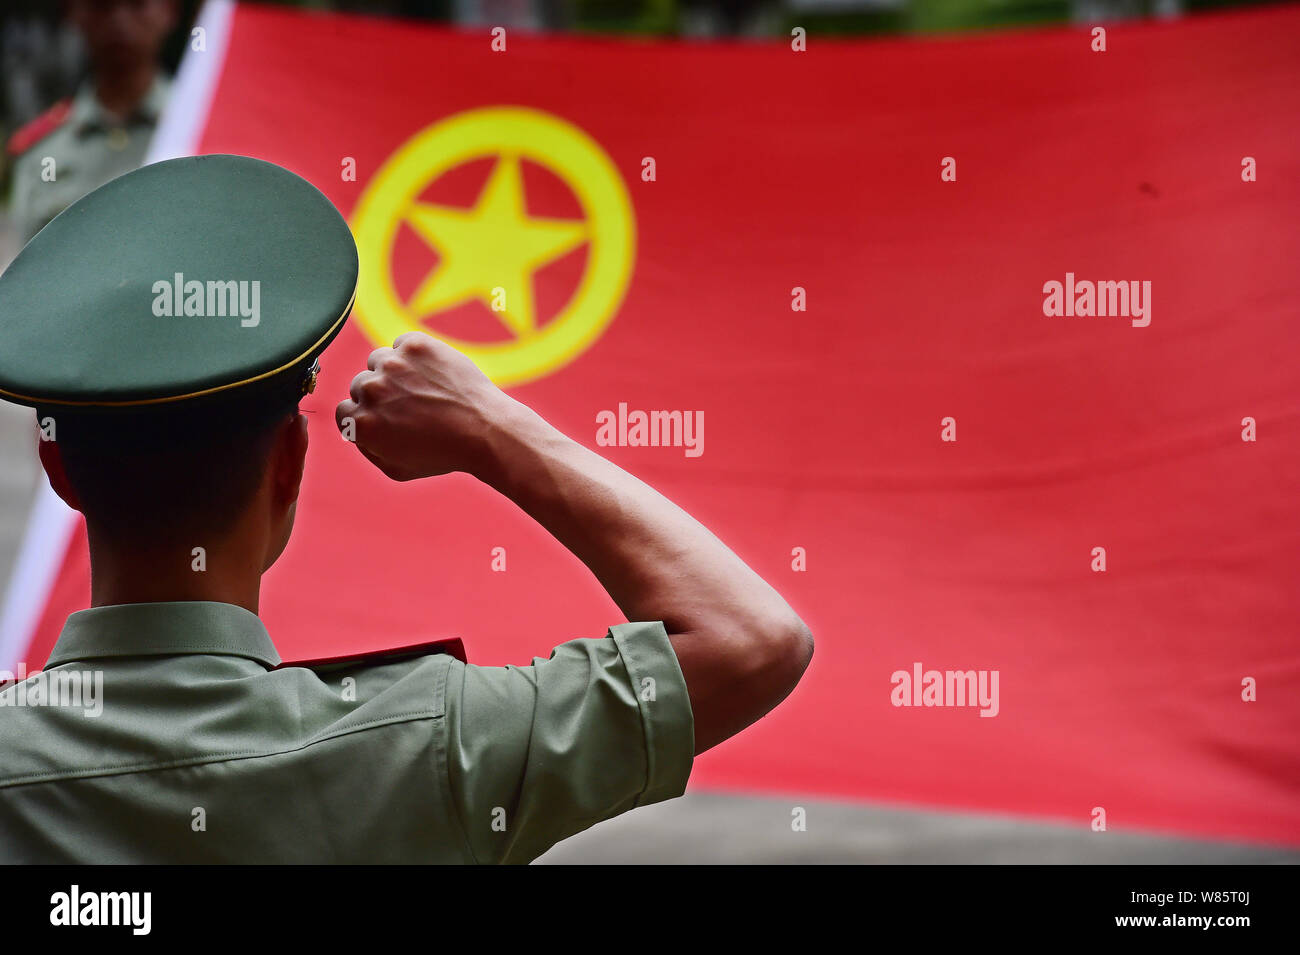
453	646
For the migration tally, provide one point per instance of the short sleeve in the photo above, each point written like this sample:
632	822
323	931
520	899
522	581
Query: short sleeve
538	753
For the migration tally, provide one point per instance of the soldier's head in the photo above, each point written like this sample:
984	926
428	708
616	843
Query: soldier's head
166	327
157	486
121	34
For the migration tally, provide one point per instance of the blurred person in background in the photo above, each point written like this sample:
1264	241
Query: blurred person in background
104	130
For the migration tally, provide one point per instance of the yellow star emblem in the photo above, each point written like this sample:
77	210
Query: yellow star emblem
494	245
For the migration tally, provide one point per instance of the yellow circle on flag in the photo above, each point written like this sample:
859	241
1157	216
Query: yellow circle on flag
488	252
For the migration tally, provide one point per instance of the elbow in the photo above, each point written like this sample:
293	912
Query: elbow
791	646
802	640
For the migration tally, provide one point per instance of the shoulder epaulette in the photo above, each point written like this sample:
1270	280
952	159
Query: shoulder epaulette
453	647
31	133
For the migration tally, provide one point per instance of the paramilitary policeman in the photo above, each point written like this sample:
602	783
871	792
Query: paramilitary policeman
170	429
102	132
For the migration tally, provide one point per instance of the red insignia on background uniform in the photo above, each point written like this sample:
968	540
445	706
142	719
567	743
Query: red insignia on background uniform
29	134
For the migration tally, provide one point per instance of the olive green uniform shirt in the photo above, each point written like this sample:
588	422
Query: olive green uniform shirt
90	147
204	751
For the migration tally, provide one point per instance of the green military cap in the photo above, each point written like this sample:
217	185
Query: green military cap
203	282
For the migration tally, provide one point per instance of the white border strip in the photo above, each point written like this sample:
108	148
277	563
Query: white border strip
51	522
186	114
45	544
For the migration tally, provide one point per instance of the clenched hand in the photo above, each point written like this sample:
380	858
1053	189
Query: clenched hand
421	408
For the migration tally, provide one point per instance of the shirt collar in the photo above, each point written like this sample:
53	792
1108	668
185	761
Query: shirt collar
164	629
87	112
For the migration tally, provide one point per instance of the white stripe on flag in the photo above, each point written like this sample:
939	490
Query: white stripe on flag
45	542
186	112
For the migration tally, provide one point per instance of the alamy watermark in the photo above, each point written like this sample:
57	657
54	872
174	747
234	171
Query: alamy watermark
79	689
177	297
651	429
921	687
75	907
1085	299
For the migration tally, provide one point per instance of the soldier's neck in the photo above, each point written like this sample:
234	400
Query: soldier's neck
147	575
121	91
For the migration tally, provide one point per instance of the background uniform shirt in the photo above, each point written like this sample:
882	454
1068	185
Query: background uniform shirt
88	148
202	752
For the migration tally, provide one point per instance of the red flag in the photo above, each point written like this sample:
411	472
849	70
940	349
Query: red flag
836	266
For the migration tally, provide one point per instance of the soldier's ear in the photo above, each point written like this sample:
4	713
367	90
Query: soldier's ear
52	461
288	458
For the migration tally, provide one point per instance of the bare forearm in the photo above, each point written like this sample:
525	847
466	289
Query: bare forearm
655	560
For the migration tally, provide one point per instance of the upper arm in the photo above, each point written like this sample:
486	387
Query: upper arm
538	753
